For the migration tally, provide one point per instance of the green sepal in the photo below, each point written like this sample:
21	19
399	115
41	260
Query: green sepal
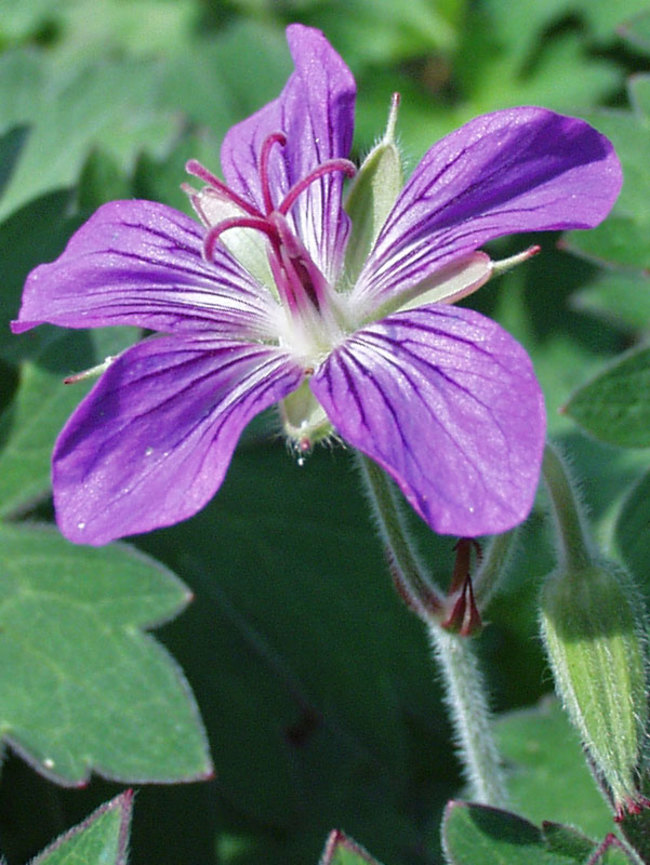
372	196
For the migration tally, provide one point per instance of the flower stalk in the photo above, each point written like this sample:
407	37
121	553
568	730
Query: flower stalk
462	678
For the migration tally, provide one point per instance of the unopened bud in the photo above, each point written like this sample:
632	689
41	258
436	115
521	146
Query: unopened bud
591	624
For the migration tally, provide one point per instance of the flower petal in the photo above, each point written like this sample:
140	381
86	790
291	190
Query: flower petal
140	263
523	169
448	404
152	442
315	111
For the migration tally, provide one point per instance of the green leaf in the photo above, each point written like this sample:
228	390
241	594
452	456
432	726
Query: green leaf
479	835
19	20
102	839
608	18
100	181
326	710
381	31
89	27
111	105
615	406
81	687
341	850
549	779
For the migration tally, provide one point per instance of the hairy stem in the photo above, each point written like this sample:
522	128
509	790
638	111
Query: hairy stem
470	716
463	681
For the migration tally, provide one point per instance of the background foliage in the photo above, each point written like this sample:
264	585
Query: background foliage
314	683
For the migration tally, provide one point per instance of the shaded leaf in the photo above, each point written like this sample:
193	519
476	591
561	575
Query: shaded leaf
102	839
479	835
614	407
318	682
36	233
567	841
81	687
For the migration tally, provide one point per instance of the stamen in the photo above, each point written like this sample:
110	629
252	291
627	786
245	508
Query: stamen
258	222
195	168
274	138
332	165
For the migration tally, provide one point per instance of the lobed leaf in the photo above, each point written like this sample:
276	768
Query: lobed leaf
82	688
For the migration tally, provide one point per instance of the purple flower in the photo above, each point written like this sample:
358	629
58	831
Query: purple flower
280	297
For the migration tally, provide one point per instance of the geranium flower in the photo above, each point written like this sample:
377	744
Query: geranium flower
279	297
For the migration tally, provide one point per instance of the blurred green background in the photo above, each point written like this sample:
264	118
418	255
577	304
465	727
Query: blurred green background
314	682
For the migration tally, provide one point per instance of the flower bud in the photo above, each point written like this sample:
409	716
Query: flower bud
591	623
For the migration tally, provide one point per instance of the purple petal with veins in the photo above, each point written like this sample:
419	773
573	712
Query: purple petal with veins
523	169
448	403
140	263
152	442
316	114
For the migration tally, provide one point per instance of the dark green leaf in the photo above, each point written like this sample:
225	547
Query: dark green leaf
478	835
319	683
34	234
567	841
81	687
615	406
102	839
100	181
